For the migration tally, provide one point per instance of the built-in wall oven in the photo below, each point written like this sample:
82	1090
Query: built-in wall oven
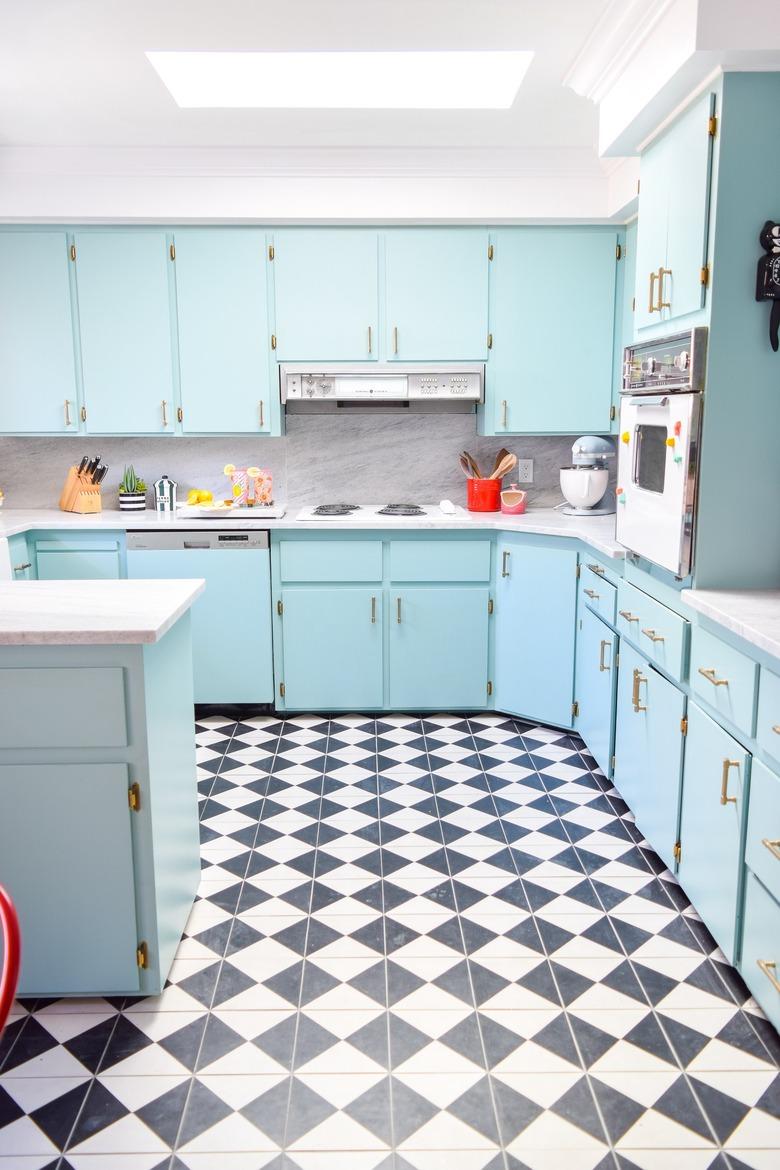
658	448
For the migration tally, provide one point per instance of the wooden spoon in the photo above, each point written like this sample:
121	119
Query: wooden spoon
505	466
501	455
465	468
472	464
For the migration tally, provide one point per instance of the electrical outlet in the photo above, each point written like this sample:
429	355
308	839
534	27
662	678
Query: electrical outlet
524	472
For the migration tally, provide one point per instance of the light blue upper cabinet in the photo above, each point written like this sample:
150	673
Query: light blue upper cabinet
529	387
125	326
224	334
37	368
674	200
536	594
327	294
437	294
594	686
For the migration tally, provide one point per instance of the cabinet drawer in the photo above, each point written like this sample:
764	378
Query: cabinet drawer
761	945
331	560
725	678
60	707
598	593
659	632
768	722
440	560
762	847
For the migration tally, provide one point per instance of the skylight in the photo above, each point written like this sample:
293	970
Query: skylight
480	80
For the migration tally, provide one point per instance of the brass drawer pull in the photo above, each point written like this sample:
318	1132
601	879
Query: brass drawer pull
662	304
593	596
652	307
67	413
769	969
373	611
398	610
772	846
596	569
626	613
503	413
651	634
708	672
505	563
164	413
262	414
724	782
369	339
602	663
395	339
639	678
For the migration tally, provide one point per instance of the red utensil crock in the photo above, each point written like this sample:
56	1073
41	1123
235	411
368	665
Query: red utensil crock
483	495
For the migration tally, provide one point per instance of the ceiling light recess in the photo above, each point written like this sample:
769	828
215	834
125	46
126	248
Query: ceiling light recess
479	80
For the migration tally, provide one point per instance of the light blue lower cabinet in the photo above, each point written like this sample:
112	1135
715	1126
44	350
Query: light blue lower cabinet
648	749
536	596
21	559
438	647
69	558
714	782
760	960
332	638
595	682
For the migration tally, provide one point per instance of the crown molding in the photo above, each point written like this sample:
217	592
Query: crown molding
615	39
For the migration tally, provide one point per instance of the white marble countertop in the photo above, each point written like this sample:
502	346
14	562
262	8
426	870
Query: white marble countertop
598	531
68	613
752	614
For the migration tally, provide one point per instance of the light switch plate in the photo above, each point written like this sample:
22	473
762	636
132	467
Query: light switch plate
524	472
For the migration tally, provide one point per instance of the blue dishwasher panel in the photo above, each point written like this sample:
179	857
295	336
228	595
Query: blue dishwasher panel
231	620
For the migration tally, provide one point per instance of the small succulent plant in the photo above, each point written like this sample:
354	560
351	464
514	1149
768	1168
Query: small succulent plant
130	481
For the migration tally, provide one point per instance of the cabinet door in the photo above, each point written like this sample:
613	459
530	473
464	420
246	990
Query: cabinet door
326	292
22	561
648	749
63	561
624	317
594	686
527	388
37	367
438	647
651	231
125	327
231	659
224	338
689	165
72	879
332	647
715	771
437	294
536	593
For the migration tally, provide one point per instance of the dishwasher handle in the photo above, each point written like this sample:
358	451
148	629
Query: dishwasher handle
196	544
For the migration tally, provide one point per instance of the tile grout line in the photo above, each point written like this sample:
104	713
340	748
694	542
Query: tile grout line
379	795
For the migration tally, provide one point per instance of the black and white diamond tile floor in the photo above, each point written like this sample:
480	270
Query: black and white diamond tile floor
418	944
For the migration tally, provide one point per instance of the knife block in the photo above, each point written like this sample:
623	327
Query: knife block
80	496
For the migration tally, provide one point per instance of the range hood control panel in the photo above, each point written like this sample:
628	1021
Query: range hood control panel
388	382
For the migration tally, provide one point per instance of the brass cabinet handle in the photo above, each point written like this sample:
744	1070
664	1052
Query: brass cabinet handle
398	610
165	412
180	414
724	782
503	413
67	413
625	613
395	339
639	678
652	307
772	846
369	339
769	968
662	304
708	672
273	341
373	611
596	569
505	563
262	414
602	663
593	596
651	634
21	568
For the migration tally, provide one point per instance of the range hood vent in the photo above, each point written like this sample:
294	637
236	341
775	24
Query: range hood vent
381	387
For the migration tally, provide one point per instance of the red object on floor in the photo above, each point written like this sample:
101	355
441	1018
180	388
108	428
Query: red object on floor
12	950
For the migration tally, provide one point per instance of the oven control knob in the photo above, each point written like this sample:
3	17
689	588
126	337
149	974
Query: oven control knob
649	365
325	387
682	360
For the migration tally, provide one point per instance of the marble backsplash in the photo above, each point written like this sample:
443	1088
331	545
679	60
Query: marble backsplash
383	458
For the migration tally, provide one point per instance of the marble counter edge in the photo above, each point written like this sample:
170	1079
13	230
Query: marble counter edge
734	610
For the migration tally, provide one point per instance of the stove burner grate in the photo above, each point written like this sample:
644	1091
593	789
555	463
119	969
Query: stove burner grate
335	509
401	510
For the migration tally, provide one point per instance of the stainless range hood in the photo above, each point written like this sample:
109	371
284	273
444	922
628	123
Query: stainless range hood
383	387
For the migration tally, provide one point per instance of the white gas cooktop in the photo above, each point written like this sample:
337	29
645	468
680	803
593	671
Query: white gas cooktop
361	513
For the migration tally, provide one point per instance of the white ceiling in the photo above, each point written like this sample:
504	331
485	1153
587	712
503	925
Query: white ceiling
73	72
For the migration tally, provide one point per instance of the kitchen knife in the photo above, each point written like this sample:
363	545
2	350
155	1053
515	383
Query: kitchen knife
92	467
99	475
82	465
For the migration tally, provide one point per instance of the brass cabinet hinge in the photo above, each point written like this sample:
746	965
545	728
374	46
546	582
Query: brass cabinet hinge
83	414
613	763
280	608
704	275
489	687
142	955
577	571
633	304
575	708
73	251
271	252
180	414
490	340
618	251
617	661
677	851
281	689
712	126
172	251
637	185
490	605
273	341
490	251
612	413
684	726
134	796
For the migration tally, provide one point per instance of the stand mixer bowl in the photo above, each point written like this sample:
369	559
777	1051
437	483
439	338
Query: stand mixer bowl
584	487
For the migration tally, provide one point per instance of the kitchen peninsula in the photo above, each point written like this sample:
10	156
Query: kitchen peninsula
99	829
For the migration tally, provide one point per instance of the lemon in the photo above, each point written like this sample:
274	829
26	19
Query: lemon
229	468
205	497
193	496
236	489
253	472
